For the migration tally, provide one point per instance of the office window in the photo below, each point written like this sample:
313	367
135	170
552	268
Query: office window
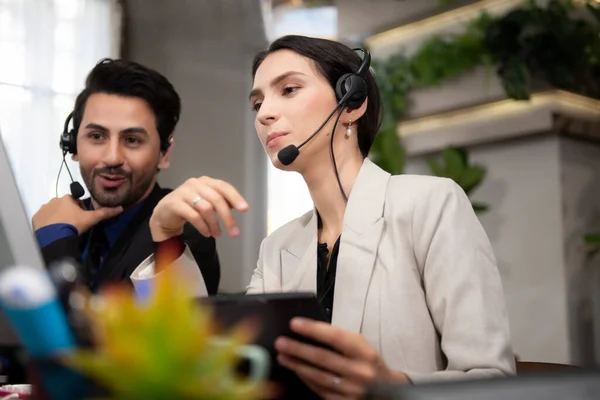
47	47
288	196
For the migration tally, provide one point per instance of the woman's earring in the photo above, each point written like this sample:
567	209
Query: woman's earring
349	129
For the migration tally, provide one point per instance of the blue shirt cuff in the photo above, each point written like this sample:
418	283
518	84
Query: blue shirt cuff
51	233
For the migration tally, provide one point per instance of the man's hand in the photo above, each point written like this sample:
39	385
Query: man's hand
66	210
200	201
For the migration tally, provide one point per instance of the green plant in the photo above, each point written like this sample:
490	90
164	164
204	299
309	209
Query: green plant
439	59
593	244
545	42
455	165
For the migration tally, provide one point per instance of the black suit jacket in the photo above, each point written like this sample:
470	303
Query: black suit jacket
134	245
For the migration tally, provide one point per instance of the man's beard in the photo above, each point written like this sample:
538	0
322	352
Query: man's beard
128	193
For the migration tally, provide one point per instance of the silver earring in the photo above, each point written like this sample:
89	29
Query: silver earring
349	129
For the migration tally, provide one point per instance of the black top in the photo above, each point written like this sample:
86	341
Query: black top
326	276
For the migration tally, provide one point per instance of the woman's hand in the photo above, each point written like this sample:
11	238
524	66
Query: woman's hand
200	201
343	375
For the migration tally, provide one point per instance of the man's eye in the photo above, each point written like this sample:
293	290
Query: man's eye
133	140
95	136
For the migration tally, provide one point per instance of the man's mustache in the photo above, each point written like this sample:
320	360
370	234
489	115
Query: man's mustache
118	171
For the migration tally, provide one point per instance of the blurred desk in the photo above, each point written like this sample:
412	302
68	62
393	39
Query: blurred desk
528	367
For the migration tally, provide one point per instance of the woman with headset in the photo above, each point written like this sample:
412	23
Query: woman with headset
401	263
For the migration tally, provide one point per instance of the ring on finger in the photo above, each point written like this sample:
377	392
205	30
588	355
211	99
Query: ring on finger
196	200
335	381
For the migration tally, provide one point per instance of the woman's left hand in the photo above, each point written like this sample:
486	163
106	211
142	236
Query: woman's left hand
342	375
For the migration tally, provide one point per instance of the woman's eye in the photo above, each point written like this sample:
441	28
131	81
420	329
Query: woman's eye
289	89
256	106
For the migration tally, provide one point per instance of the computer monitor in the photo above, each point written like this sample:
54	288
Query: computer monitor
584	385
17	242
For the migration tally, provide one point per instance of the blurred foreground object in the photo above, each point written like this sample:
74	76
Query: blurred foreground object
166	346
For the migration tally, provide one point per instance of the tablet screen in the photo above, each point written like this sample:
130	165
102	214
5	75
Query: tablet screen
273	312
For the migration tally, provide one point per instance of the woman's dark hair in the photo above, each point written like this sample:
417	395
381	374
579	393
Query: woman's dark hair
334	59
130	79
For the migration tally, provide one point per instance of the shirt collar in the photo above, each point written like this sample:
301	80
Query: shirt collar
115	225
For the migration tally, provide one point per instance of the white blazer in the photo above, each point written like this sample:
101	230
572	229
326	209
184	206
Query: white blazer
416	276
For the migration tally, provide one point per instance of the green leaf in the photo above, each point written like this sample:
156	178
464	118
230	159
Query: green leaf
435	167
387	151
480	207
454	164
593	243
515	79
592	239
464	155
471	178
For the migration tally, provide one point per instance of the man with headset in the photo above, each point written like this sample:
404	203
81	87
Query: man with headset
123	124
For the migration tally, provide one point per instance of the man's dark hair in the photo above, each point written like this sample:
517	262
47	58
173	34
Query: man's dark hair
130	79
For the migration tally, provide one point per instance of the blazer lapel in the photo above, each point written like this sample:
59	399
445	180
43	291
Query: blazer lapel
299	260
363	227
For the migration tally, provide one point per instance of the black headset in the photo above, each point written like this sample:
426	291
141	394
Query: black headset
68	144
68	138
352	87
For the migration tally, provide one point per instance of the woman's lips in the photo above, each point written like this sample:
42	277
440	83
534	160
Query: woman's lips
274	138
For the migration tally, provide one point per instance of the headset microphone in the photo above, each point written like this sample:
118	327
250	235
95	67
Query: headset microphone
288	154
76	189
68	145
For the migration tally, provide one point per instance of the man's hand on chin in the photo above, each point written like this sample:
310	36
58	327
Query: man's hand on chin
66	210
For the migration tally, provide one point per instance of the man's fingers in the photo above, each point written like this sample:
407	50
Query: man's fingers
197	214
229	193
104	213
207	210
197	220
213	202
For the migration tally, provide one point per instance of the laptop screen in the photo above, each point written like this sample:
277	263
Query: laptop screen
17	242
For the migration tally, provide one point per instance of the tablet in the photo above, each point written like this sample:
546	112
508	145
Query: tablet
273	311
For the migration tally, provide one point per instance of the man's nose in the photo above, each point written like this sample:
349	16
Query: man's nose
113	155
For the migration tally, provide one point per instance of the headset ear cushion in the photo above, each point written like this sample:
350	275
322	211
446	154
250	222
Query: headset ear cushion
353	85
73	141
67	142
342	86
356	86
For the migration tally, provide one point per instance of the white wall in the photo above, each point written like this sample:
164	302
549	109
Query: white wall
525	227
205	48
